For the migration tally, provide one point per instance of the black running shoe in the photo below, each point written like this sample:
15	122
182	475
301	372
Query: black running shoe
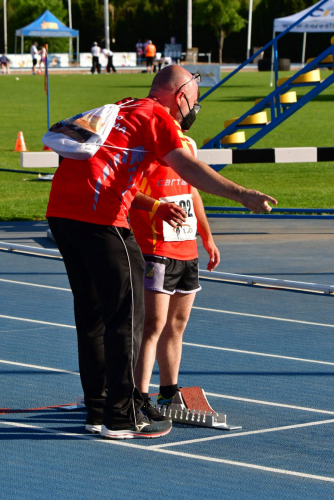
146	429
151	412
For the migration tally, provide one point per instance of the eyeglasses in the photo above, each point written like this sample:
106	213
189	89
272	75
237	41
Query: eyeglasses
197	107
198	78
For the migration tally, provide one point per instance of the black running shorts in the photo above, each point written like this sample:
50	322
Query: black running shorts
171	275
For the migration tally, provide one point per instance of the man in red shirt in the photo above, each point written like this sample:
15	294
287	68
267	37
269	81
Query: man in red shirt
171	277
87	213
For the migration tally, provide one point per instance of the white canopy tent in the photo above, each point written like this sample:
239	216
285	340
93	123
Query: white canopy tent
319	21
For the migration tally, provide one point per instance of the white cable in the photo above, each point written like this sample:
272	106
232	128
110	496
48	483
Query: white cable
88	144
132	324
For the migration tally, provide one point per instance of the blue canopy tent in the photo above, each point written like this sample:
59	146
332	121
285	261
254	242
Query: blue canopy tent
46	26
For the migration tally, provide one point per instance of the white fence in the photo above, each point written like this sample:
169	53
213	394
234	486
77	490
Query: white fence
56	60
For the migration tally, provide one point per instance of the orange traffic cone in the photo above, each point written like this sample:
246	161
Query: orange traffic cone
45	148
20	144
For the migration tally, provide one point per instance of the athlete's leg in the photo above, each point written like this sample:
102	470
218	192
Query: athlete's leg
156	312
169	349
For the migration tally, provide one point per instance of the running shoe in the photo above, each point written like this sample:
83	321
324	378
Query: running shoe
145	430
163	401
93	428
151	412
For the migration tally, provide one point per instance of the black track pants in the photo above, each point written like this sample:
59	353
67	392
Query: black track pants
109	314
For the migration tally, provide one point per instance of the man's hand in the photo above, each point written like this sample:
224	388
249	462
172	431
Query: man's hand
171	213
256	201
214	254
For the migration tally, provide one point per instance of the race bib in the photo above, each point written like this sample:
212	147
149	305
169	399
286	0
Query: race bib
187	230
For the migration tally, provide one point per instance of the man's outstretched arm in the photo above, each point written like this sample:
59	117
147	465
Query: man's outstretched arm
203	177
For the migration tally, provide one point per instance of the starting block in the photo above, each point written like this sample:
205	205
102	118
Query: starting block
190	407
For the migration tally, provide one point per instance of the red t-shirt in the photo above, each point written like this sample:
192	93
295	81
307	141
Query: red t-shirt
100	190
161	182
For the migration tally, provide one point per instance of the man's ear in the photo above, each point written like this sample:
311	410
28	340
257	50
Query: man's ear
179	97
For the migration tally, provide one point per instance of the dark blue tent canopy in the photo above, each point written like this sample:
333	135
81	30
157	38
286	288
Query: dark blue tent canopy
47	25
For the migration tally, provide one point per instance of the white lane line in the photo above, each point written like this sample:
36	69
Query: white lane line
36	321
223	396
34	284
37	367
241	434
254	353
263	317
269	403
200	308
42	429
177	453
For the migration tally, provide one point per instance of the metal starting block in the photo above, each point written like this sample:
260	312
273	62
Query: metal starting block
182	410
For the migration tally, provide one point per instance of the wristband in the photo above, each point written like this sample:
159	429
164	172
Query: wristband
155	206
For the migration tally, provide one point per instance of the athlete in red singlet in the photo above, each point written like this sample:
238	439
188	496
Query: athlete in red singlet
171	276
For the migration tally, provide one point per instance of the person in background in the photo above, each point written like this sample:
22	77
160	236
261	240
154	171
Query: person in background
4	61
43	54
150	52
34	52
109	54
157	62
139	52
96	51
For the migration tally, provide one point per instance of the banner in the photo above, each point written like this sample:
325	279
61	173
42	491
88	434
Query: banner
119	59
25	61
210	73
320	21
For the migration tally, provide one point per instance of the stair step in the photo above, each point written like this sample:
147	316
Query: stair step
309	77
236	138
257	119
328	59
288	98
206	141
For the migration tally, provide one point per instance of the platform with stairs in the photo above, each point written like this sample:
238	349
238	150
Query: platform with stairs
271	110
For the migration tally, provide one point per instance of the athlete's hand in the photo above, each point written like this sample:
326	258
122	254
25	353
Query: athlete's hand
171	213
214	254
256	201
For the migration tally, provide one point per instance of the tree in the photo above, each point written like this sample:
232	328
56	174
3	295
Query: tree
222	15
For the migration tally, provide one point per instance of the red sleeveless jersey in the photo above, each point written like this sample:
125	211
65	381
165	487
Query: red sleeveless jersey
152	234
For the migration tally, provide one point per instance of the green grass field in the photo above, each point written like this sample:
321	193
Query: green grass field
23	109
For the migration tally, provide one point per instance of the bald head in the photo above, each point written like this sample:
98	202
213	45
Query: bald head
176	90
169	79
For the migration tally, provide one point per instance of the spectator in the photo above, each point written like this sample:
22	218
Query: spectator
109	54
4	64
139	52
34	52
96	51
43	53
157	62
150	52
